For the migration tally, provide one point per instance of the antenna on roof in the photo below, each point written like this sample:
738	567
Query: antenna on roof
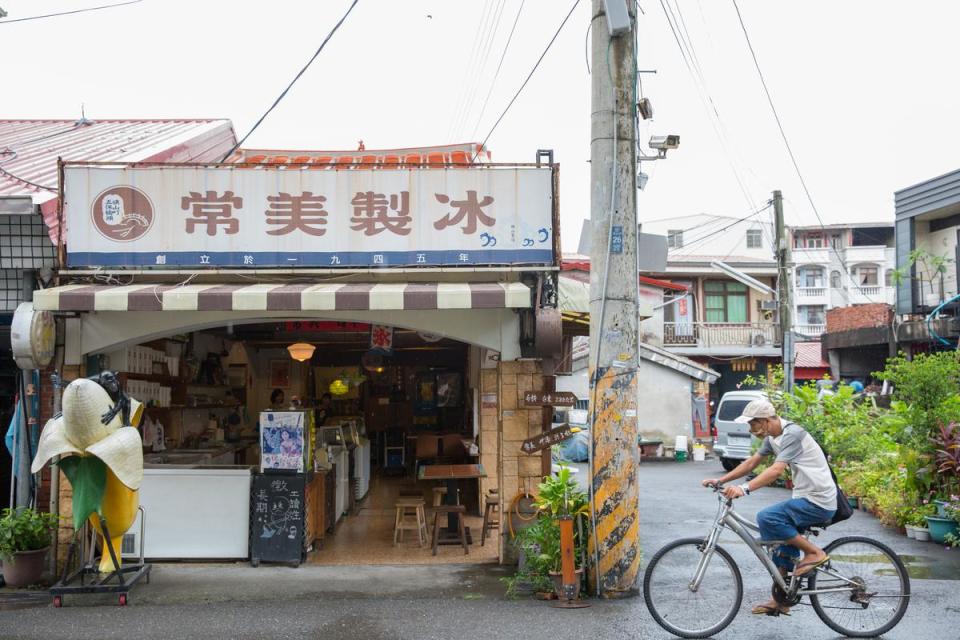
83	117
361	146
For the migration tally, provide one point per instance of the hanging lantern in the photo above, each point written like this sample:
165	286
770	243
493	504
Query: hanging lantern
301	351
338	387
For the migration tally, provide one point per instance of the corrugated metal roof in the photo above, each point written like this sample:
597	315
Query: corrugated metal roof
29	149
808	354
466	153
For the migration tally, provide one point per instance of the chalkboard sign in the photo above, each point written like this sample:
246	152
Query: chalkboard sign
276	514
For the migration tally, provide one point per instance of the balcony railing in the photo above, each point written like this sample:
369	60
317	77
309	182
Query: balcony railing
811	292
811	330
721	334
869	290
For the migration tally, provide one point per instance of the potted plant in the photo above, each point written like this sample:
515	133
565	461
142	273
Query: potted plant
942	527
557	496
25	537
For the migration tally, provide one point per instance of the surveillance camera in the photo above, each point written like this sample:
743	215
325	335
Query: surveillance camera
662	143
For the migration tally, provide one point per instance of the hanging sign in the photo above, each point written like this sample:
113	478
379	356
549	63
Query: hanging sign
274	216
546	439
32	337
381	338
549	399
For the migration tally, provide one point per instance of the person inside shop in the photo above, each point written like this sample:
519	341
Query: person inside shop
276	400
324	409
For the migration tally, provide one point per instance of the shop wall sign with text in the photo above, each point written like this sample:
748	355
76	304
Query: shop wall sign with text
269	217
549	399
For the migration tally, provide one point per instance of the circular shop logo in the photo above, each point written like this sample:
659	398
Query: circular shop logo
122	214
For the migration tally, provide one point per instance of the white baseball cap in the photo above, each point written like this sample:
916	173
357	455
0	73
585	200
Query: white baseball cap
756	409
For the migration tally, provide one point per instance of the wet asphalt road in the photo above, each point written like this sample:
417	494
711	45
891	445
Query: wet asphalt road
235	601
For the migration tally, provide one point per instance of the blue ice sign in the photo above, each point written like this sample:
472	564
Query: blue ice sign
616	239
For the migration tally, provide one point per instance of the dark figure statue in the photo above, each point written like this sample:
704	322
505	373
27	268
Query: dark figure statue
111	384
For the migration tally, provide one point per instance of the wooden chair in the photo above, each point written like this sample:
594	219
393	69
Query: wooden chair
405	508
459	511
492	506
428	447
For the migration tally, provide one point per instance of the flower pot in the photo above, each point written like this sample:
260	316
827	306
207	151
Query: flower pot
558	585
854	501
940	527
25	568
911	531
921	533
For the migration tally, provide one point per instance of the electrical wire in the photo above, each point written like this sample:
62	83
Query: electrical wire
522	86
292	82
700	239
25	181
481	67
786	142
468	75
496	73
67	13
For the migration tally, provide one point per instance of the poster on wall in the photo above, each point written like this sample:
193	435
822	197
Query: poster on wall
282	440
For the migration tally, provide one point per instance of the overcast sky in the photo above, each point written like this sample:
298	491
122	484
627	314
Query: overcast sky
866	90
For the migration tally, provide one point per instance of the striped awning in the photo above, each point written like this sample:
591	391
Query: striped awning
283	297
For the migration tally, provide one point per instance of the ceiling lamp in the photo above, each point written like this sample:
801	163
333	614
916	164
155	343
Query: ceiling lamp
301	351
338	387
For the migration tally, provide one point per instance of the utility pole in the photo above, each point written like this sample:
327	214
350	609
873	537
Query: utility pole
783	292
615	457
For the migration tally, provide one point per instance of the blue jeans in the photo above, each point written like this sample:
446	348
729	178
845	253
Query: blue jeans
783	521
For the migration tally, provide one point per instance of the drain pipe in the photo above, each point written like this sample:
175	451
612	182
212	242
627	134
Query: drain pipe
56	382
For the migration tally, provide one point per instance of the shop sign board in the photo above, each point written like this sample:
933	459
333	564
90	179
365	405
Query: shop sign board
546	439
276	522
549	399
151	216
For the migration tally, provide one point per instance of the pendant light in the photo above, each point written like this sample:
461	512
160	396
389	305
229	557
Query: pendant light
301	351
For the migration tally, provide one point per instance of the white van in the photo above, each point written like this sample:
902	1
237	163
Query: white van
733	442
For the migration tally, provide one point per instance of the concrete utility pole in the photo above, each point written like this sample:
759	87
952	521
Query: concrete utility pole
783	291
613	307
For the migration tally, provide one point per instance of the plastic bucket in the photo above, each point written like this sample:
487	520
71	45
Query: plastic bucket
680	456
699	454
681	443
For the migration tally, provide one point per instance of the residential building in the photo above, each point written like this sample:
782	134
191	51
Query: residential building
718	322
839	265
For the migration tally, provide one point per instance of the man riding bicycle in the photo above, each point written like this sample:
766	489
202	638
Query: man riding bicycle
814	498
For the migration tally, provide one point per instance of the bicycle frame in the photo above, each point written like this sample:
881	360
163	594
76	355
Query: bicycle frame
727	518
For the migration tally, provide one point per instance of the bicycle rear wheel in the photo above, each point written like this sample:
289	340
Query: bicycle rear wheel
685	613
882	591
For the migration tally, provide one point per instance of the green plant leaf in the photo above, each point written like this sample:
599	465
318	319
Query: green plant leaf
88	477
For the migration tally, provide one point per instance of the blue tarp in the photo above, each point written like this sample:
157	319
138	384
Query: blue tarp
576	448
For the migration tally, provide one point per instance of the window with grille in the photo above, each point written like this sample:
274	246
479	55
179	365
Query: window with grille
754	239
24	246
674	238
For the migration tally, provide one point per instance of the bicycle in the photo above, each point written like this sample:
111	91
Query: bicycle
862	592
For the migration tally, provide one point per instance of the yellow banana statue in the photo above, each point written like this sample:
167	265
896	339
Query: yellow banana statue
102	458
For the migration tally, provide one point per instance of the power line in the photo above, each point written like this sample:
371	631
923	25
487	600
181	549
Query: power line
786	142
478	37
292	82
481	67
496	73
700	239
529	75
24	180
67	13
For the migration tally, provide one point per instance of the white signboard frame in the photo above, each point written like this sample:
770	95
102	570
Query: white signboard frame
226	216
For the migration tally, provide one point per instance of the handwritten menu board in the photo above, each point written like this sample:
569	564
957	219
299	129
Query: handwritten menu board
276	513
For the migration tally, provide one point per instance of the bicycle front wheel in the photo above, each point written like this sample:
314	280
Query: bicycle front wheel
877	588
679	609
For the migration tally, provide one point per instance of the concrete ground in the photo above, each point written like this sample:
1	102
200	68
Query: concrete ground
462	601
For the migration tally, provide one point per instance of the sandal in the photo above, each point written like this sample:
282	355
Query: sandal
804	568
767	610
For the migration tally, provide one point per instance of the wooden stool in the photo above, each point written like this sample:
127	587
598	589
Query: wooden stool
460	511
407	507
492	505
438	495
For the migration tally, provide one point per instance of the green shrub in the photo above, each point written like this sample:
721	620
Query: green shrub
24	529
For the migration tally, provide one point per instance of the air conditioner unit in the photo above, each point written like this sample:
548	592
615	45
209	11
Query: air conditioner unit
768	305
759	340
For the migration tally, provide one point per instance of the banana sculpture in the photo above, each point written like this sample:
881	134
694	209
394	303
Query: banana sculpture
103	460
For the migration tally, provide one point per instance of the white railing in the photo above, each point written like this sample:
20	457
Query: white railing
870	290
811	292
811	330
721	334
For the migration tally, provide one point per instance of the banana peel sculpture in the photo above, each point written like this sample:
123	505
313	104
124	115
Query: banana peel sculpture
103	459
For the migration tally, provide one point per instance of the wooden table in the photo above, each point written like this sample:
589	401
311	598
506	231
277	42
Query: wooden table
452	473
